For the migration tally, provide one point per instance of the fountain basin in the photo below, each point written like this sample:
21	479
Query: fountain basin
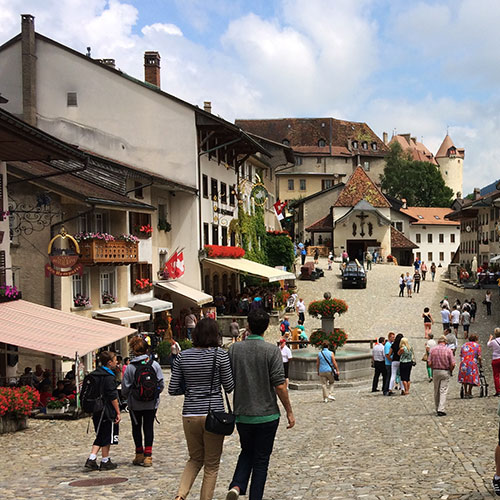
353	364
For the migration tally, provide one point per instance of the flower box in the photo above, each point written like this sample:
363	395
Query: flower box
95	252
55	411
214	251
8	298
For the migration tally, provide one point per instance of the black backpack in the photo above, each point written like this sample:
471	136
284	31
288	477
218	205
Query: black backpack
145	386
90	396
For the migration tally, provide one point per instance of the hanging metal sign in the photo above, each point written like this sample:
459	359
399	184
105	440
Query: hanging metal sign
64	259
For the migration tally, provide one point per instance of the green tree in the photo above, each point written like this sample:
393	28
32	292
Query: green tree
419	182
252	233
279	251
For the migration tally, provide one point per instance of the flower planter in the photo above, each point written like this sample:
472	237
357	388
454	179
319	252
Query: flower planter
55	411
108	252
13	423
5	298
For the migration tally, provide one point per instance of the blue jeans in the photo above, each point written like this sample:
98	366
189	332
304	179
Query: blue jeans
256	442
188	331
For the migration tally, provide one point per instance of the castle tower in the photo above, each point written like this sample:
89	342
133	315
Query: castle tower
451	161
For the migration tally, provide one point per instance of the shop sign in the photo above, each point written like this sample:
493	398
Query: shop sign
64	257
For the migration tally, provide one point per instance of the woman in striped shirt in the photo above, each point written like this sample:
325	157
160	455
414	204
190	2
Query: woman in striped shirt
192	376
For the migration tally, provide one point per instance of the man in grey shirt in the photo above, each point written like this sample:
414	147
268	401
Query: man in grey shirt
258	376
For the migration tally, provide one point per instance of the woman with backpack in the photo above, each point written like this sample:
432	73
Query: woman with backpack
198	374
142	385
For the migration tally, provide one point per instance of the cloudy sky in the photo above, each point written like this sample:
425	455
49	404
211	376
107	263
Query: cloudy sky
422	67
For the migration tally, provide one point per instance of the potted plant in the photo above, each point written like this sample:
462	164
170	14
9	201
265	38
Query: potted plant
80	300
327	310
163	225
8	293
15	405
145	231
143	285
56	406
107	298
163	351
335	338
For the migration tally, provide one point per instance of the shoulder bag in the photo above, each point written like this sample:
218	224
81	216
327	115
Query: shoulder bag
334	371
413	360
219	422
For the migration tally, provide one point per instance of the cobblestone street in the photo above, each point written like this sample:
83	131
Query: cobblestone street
361	446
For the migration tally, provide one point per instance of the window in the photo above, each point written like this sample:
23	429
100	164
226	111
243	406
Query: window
452	238
250	172
298	160
137	220
326	183
429	256
418	238
233	239
318	159
441	238
205	186
138	192
224	236
429	238
364	145
97	222
321	143
232	194
81	285
302	184
215	234
107	282
374	147
355	144
285	142
205	234
291	185
366	166
72	99
214	189
223	192
142	271
441	256
399	226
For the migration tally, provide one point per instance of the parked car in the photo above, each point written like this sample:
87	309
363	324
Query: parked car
353	275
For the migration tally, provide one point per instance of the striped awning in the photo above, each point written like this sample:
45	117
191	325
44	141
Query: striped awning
39	328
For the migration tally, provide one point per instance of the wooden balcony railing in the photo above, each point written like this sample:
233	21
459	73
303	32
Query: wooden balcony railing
116	252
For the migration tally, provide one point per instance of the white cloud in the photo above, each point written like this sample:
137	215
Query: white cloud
168	29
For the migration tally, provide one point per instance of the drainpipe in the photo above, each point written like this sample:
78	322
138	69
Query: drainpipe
200	225
52	234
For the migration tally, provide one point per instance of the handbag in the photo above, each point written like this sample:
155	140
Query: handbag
425	357
413	361
334	371
219	422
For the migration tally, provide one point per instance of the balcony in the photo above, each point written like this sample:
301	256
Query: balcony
101	252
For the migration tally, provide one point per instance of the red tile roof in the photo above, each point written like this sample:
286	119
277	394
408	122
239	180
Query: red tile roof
429	215
307	132
399	240
444	149
417	150
321	225
361	187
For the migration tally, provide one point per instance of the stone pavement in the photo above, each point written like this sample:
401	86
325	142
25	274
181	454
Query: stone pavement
361	446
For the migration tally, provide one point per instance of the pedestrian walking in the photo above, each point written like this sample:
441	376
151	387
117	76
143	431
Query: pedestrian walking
395	357
330	261
190	323
328	371
259	380
234	330
303	253
433	271
470	360
428	346
106	416
428	322
445	317
451	340
142	385
408	283
473	310
199	373
388	363
402	285
416	264
301	310
369	259
286	355
423	270
465	321
442	362
416	281
487	302
494	345
378	358
406	362
455	319
316	256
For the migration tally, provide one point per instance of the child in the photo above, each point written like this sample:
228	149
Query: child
428	346
428	322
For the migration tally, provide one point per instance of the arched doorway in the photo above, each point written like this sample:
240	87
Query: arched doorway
215	283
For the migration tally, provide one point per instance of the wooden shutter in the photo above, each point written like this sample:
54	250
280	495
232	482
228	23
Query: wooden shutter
134	275
3	272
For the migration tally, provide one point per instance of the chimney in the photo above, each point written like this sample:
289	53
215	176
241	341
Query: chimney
28	65
152	68
403	200
407	137
477	193
385	137
207	106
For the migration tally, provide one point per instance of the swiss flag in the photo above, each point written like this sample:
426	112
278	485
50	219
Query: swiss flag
170	265
179	265
279	208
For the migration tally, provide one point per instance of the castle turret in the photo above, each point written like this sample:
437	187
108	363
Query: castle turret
451	160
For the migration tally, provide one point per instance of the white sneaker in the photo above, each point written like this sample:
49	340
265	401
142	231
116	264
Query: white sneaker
331	397
325	400
233	494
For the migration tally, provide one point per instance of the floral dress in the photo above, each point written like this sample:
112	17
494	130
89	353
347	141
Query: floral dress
468	372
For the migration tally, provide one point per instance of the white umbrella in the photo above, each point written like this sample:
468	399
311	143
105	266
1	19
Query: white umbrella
495	259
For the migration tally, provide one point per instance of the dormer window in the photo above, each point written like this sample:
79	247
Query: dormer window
285	142
364	145
420	216
321	143
436	217
374	146
354	144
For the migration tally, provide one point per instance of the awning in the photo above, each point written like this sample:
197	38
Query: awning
185	291
153	306
123	316
495	259
254	268
44	329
